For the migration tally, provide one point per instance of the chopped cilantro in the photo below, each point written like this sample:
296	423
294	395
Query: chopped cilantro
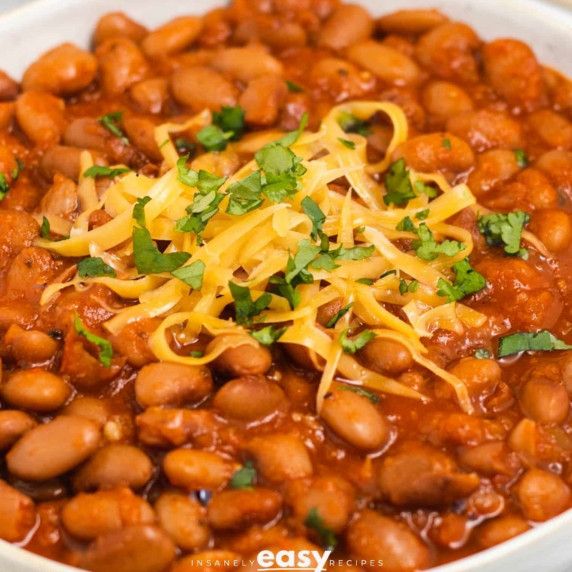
542	341
406	225
428	249
521	158
413	286
347	143
403	287
245	194
185	174
4	186
288	291
366	281
447	143
398	184
352	124
327	536
482	353
196	354
315	214
166	142
355	253
213	139
339	315
268	335
504	229
357	343
294	87
185	146
422	215
93	267
230	119
191	275
45	229
360	391
99	171
467	281
297	266
389	273
245	307
424	189
105	347
290	138
245	477
111	122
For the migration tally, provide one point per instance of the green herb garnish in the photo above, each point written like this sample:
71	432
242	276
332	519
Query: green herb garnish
542	341
327	536
428	249
105	347
100	171
245	308
360	391
245	477
398	184
467	281
504	229
352	124
482	353
191	275
267	335
111	122
294	87
357	343
521	158
336	318
94	267
347	143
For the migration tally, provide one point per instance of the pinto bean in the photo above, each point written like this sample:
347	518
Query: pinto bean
263	100
184	519
118	25
36	389
139	548
18	514
14	424
237	509
173	37
89	407
61	199
542	194
427	153
121	64
31	346
348	25
246	358
421	475
87	516
150	94
87	133
18	230
411	21
7	114
448	51
553	227
251	398
544	400
355	419
373	537
54	448
491	459
246	64
66	161
8	87
542	495
514	72
141	133
500	530
493	167
486	129
557	165
202	88
113	466
196	470
385	62
479	375
40	115
171	384
554	129
386	356
280	457
443	99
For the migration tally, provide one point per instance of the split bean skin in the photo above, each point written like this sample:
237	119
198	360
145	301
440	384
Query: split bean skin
153	466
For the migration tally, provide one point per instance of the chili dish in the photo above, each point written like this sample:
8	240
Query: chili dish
285	276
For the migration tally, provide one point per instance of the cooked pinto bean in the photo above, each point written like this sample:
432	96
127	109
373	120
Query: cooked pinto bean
263	100
247	358
385	62
545	400
13	424
140	548
150	94
553	227
411	21
493	167
88	516
54	448
196	470
373	537
171	384
141	133
479	375
121	64
542	495
421	475
62	71
427	153
40	115
61	199
118	25
246	64
249	399
202	88
173	37
512	69
87	133
90	408
8	87
500	530
7	114
36	389
18	514
62	160
386	356
557	165
31	346
235	510
491	459
355	419
184	519
113	466
443	99
349	24
554	129
280	457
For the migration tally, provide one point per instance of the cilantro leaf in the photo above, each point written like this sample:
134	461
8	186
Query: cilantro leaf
289	139
521	158
428	249
482	353
422	215
504	229
355	253
413	286
186	175
245	477
347	143
327	536
4	186
94	267
467	281
366	281
339	315
245	307
244	195
297	265
45	229
191	275
389	273
406	225
209	183
105	347
447	143
285	290
359	342
315	214
185	146
542	341
230	120
422	188
213	139
398	184
111	122
352	124
268	335
403	287
99	171
360	391
294	87
139	210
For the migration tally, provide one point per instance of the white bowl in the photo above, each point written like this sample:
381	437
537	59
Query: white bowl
28	31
